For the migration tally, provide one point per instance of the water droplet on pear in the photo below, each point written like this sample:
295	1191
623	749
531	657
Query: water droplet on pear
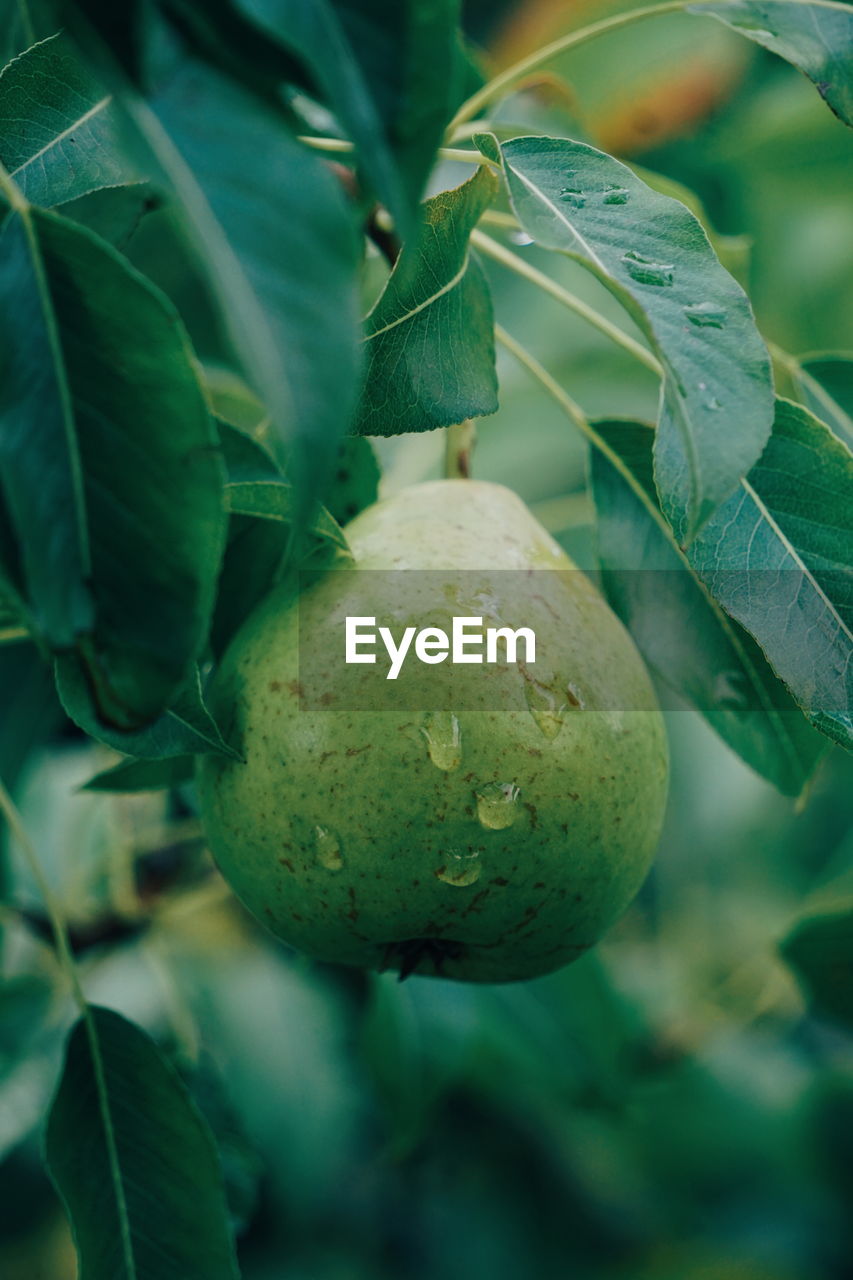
444	739
461	869
497	805
328	849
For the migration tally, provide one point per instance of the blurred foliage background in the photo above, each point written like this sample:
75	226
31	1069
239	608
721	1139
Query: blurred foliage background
669	1108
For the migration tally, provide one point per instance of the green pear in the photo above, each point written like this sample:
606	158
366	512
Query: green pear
472	822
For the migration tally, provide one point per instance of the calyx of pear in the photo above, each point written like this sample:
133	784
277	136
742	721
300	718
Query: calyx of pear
483	836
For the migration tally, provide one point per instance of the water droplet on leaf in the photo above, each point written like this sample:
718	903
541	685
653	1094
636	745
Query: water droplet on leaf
520	238
644	271
497	804
443	739
570	195
706	315
616	195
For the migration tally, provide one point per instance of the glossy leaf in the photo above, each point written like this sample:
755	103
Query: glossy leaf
186	727
777	556
429	337
825	385
134	1162
278	241
110	464
143	775
692	646
654	257
59	136
820	950
816	38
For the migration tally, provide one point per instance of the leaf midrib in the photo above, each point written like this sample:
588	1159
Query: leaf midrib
60	137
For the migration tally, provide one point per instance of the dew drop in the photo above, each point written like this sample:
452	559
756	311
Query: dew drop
460	869
574	697
443	739
497	805
705	315
328	849
520	238
571	195
712	403
616	195
644	271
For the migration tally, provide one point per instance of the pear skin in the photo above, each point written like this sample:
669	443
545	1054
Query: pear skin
489	837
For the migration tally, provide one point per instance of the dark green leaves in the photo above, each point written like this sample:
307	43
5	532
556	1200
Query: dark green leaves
817	38
820	949
693	647
58	132
410	57
272	226
429	338
134	1161
110	466
777	556
653	255
312	30
187	726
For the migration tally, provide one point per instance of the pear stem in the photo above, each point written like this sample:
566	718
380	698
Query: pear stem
459	445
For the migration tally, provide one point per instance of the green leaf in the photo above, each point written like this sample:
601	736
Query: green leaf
825	384
411	58
816	38
820	950
692	646
275	500
272	226
259	536
252	565
430	334
134	1162
59	137
312	30
114	213
355	483
777	557
246	459
110	465
653	256
187	727
143	775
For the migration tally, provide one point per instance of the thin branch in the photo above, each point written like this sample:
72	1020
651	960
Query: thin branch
10	812
511	75
517	264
